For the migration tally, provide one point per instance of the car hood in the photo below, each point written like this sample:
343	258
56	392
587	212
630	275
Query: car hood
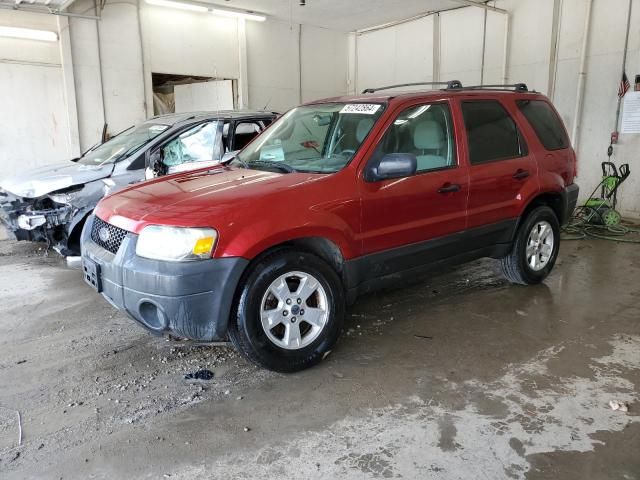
39	181
192	199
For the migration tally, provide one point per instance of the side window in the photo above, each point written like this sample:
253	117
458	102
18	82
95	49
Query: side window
425	131
491	132
138	163
245	132
545	123
195	145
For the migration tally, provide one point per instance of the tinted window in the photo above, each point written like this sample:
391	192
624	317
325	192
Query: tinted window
425	131
546	123
245	132
491	132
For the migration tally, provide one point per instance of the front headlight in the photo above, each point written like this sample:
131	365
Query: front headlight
176	244
63	198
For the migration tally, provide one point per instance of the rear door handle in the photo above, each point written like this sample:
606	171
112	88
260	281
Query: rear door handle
449	187
521	174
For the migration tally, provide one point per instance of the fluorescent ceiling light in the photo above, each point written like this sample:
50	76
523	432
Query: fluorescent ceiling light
201	8
29	34
182	6
237	14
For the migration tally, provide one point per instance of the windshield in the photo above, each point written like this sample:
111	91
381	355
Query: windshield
313	138
123	144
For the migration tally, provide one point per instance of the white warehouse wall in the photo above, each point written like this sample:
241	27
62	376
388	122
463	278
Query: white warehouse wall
111	61
461	45
33	118
324	63
290	63
401	54
188	43
273	65
604	68
107	67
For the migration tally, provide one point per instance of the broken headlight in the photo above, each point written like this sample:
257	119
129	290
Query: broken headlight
176	244
65	196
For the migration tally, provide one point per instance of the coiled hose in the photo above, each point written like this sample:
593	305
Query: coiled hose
583	225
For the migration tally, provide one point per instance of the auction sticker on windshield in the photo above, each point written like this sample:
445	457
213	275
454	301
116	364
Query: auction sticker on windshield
365	108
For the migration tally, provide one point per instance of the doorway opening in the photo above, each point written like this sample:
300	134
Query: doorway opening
188	93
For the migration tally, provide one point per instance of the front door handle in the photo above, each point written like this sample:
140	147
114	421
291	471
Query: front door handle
449	187
521	174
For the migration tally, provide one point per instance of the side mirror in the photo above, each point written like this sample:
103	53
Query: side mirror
392	165
155	163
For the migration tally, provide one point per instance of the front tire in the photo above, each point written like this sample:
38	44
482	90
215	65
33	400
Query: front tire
535	248
289	312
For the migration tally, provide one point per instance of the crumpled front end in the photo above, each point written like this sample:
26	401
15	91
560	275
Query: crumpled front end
50	218
35	219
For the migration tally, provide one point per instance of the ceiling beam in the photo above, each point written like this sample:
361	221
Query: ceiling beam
43	10
64	5
473	3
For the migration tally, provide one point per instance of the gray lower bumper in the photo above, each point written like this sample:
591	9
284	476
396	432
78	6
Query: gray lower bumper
570	199
189	299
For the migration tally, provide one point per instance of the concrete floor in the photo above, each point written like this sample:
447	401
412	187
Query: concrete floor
459	377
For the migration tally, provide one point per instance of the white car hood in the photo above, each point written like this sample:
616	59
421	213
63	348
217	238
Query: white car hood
40	181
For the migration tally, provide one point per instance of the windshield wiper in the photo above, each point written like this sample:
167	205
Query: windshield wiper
273	164
233	159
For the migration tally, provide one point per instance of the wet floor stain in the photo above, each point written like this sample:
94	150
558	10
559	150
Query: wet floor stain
448	432
418	437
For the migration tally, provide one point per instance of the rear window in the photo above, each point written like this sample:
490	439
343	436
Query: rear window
545	122
491	132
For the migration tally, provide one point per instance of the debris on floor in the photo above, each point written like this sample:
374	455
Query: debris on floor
18	423
204	375
424	337
618	405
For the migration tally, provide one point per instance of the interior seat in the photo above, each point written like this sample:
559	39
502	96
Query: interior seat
363	128
429	140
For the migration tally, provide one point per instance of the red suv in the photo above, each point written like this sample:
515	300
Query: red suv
336	198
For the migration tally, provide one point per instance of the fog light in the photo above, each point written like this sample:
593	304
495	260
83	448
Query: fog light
152	316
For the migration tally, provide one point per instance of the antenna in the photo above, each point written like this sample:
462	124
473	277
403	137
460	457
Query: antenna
267	104
215	73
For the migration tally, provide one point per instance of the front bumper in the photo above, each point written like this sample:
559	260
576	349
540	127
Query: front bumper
27	222
189	299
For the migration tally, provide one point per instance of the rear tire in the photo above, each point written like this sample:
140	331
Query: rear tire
535	248
289	312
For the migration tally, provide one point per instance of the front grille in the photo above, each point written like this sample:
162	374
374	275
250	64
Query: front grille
111	237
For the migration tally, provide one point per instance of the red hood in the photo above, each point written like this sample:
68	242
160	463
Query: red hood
194	199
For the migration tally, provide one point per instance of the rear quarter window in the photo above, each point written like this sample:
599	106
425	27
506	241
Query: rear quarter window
491	132
545	122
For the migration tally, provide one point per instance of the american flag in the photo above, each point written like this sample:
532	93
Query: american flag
624	85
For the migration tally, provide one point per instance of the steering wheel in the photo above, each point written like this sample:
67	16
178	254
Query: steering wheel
350	152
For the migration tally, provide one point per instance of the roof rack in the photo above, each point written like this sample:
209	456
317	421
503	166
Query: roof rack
451	85
518	87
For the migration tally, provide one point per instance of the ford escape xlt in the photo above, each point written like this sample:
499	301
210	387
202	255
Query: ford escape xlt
337	198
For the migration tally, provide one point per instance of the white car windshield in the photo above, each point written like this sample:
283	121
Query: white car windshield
320	138
122	145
